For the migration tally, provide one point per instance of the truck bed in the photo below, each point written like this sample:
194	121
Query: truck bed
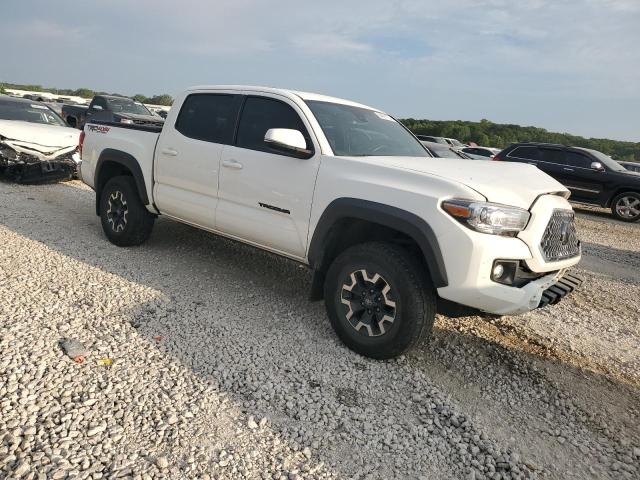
109	139
130	126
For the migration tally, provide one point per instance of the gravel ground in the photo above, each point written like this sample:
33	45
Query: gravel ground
222	369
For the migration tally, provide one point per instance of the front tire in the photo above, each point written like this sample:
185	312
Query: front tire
626	207
379	300
125	220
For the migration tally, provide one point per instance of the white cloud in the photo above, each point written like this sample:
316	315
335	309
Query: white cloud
328	44
46	30
478	54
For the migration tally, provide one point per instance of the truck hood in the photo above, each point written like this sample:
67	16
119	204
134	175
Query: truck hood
37	138
515	184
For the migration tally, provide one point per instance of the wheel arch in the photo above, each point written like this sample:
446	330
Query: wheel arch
349	221
620	190
112	163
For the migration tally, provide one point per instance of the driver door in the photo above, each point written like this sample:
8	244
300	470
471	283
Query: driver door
265	196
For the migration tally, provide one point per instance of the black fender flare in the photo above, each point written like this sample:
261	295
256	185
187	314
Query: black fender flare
126	160
401	220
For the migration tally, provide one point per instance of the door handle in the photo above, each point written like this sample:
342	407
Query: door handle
169	152
231	163
568	169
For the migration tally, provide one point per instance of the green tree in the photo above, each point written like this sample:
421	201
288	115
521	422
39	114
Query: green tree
489	134
84	93
163	99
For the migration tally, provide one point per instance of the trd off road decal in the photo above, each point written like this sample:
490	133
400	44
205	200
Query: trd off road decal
98	128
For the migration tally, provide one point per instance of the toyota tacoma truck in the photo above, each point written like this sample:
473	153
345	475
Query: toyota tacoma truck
391	234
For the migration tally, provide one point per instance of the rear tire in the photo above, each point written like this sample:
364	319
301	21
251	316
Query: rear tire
626	207
125	220
379	300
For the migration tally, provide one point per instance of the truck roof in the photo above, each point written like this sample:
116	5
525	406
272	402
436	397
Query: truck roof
285	92
114	96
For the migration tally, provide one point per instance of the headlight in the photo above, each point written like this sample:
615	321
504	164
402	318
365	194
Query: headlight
488	217
126	120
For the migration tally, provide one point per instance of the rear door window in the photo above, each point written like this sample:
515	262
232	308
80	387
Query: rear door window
210	117
260	114
525	153
578	160
551	155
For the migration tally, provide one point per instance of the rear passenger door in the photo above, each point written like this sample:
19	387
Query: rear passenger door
265	195
584	182
188	154
553	162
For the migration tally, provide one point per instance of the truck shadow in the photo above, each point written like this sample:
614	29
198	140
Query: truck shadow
236	293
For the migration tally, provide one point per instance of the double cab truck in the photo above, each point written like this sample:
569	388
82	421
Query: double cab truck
392	234
110	108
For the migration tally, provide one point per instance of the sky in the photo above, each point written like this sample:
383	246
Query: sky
564	65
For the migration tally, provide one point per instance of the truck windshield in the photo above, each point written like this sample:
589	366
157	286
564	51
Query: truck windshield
360	132
126	105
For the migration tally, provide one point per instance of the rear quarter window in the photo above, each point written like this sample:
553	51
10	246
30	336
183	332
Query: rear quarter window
525	153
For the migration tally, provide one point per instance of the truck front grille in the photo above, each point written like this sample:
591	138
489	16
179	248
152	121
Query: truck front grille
560	240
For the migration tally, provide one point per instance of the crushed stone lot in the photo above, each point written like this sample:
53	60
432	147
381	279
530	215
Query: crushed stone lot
223	369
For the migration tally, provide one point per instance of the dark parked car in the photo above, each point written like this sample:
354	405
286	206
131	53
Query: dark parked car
74	115
592	176
631	166
109	108
481	151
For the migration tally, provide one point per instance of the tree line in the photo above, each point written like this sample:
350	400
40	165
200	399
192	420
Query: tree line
162	99
489	134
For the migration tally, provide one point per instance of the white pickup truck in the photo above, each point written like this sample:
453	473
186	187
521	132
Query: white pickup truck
392	234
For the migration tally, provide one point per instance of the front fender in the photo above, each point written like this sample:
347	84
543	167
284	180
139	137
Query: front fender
395	218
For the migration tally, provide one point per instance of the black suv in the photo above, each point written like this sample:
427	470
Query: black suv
592	176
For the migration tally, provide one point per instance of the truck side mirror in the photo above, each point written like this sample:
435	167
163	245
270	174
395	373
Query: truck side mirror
597	166
288	141
97	107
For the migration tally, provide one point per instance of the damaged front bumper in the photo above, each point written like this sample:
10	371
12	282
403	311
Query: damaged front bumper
33	167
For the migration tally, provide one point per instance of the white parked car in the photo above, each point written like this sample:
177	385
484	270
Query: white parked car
391	233
35	143
478	152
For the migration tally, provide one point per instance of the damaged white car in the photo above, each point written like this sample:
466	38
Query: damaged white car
36	145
